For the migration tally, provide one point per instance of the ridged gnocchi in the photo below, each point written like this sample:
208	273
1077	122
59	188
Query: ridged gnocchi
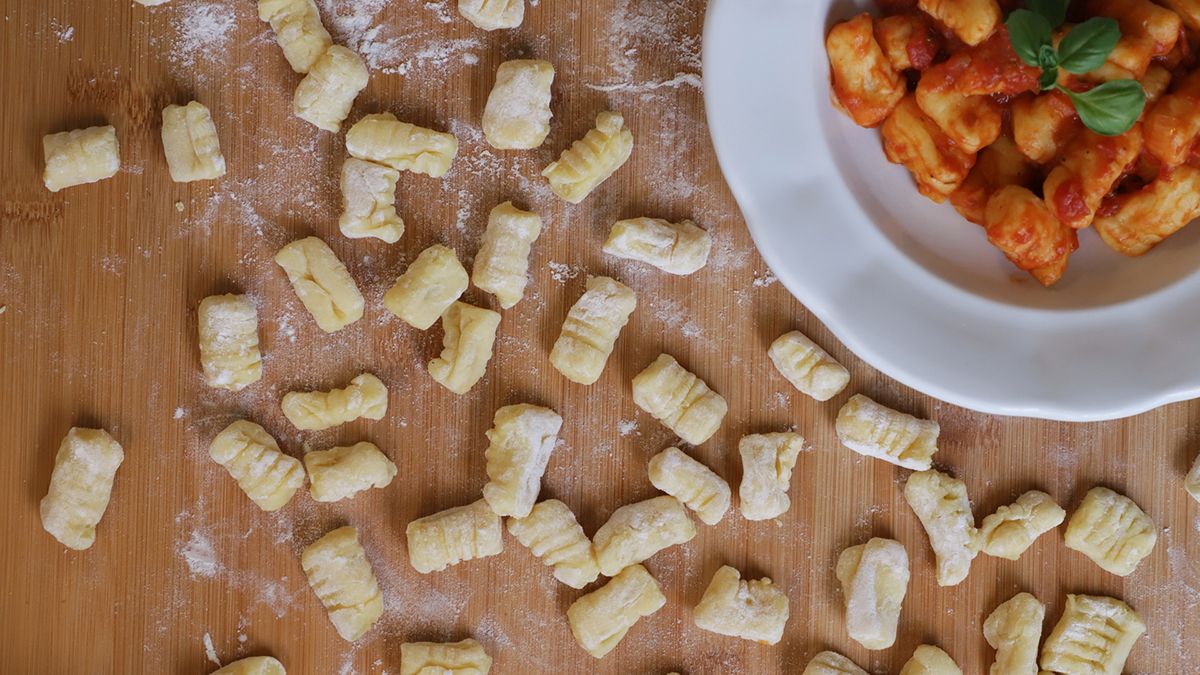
428	287
692	483
452	536
322	283
676	248
635	532
190	143
517	114
1090	166
470	333
1143	219
914	140
552	533
590	330
809	368
1094	635
930	660
493	14
749	609
1172	126
832	663
368	201
940	502
254	665
298	30
972	122
519	446
340	574
80	156
679	399
602	618
80	486
1020	224
253	458
229	354
1014	629
383	139
324	97
1013	528
874	578
444	658
342	472
767	463
871	429
865	85
502	264
1044	124
1110	529
366	396
592	159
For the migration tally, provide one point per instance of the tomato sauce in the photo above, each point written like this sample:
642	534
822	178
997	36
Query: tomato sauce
1069	202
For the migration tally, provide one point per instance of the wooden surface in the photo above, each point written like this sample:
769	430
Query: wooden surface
102	282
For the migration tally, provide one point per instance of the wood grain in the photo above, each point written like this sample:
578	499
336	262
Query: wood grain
102	282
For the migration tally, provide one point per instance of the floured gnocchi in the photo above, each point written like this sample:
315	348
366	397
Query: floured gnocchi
1110	529
1192	482
809	368
520	442
1094	635
832	663
80	486
322	283
340	574
428	287
930	660
366	396
591	160
1014	629
383	139
767	463
368	201
298	30
253	458
635	532
677	248
493	14
1012	529
552	533
874	578
590	330
254	665
444	658
502	264
191	144
323	98
877	431
470	333
342	472
79	157
602	618
940	502
517	114
752	610
229	352
452	536
679	399
689	481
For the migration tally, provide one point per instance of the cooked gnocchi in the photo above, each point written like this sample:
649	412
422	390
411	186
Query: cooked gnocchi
752	610
864	82
519	446
368	201
635	532
874	578
972	122
997	166
79	157
590	330
298	30
517	114
340	574
452	536
1094	635
383	139
444	658
1139	221
1012	529
971	20
675	248
809	368
590	161
323	98
340	473
940	502
254	665
679	399
1029	234
322	283
366	396
1091	165
1172	125
502	263
767	463
692	483
551	533
190	143
470	333
430	285
1110	529
493	14
832	663
908	40
1043	124
602	618
80	486
229	353
253	458
871	429
1014	629
911	138
930	660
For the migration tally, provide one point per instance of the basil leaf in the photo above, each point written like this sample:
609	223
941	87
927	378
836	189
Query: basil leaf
1087	46
1049	78
1028	32
1110	109
1054	11
1047	57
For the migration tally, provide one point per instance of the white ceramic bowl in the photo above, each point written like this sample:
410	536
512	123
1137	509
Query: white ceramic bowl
910	286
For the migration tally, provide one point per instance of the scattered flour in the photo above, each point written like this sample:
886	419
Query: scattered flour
628	427
64	32
203	31
768	278
210	651
199	555
680	80
179	413
562	272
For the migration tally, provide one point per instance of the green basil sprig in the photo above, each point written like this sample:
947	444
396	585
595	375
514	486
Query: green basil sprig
1109	109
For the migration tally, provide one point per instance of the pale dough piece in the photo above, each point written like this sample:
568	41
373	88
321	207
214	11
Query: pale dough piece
809	368
298	30
679	399
600	619
832	663
930	660
80	486
874	578
676	248
1110	529
428	287
444	658
752	610
340	473
80	156
404	147
689	481
229	342
323	98
368	201
637	531
366	396
191	144
453	536
551	533
520	442
592	159
1014	629
267	476
591	328
1192	482
493	14
322	283
254	665
767	463
517	114
1094	636
502	264
940	502
877	431
1012	529
470	333
340	574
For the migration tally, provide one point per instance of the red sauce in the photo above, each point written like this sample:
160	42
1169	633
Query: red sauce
992	67
1111	205
1069	202
922	48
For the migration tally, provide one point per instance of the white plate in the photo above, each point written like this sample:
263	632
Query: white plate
907	284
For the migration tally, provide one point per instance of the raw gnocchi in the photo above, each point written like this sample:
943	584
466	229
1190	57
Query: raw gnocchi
323	98
601	619
493	14
80	486
679	399
1110	529
383	139
871	429
767	463
635	532
340	574
298	30
191	144
591	328
676	248
502	264
229	351
940	502
452	536
517	114
832	663
752	610
692	483
930	660
368	201
1014	629
1192	482
1094	635
551	533
809	368
322	283
519	446
444	658
428	287
366	396
865	85
1012	529
253	458
874	578
1146	217
80	156
592	159
470	333
342	472
255	665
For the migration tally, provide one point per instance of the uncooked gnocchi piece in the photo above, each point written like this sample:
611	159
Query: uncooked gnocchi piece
1110	529
809	368
767	463
322	283
551	533
428	287
877	431
832	663
635	532
517	114
520	442
80	156
298	30
1192	482
600	619
591	328
1014	629
502	264
930	660
1094	635
1012	529
386	140
470	333
689	481
80	486
366	396
940	502
191	144
752	610
368	201
444	658
592	159
229	351
340	473
267	476
452	536
493	14
874	578
679	399
676	248
254	665
323	98
340	574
